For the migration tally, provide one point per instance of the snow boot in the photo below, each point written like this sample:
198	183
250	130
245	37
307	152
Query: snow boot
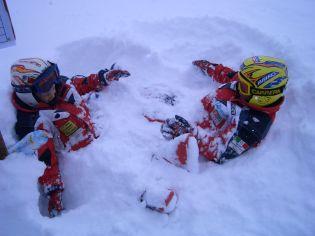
50	187
182	151
55	205
162	201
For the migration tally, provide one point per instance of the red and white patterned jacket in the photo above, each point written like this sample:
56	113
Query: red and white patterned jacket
66	121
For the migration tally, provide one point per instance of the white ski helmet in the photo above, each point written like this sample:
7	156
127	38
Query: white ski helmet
32	75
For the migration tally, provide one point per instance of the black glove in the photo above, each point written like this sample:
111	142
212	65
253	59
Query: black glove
114	73
174	127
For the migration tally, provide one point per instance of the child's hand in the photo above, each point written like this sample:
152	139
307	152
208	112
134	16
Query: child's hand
174	127
114	73
205	66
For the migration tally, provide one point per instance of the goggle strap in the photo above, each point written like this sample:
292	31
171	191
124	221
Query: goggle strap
56	67
267	92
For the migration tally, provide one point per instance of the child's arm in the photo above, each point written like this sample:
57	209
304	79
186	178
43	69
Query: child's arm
95	82
217	72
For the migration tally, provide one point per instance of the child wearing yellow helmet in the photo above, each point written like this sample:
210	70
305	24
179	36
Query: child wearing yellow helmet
51	112
235	120
238	117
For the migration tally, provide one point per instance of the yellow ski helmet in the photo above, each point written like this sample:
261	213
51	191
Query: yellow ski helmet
263	79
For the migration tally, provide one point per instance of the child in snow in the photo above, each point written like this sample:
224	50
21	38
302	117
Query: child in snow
49	102
237	118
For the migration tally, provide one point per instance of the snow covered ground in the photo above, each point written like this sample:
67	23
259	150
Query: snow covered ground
270	191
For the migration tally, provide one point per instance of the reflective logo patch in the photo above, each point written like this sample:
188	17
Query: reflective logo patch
69	128
216	117
265	92
266	78
238	145
275	83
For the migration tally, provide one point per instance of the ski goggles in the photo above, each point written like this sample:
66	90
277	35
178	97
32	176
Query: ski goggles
46	80
244	86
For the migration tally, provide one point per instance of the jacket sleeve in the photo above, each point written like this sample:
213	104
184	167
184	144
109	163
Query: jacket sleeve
25	122
223	74
216	127
51	178
87	84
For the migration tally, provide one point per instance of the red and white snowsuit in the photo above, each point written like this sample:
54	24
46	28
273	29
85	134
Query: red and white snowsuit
67	123
229	126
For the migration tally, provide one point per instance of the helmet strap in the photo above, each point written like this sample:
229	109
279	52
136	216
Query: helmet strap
56	67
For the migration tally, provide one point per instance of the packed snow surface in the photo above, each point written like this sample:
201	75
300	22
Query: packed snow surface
269	191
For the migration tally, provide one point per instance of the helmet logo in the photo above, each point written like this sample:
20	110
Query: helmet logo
266	77
264	92
275	83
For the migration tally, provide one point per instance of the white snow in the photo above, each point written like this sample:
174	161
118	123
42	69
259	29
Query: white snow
269	191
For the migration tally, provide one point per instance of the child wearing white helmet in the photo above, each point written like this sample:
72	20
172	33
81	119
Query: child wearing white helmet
49	102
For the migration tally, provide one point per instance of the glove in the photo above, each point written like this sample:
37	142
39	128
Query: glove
51	186
218	72
174	127
55	205
160	200
205	66
114	73
50	181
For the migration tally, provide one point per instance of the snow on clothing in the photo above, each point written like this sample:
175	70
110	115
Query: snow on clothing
67	123
230	126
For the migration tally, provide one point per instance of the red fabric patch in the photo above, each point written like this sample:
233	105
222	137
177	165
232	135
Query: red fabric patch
169	198
182	152
225	94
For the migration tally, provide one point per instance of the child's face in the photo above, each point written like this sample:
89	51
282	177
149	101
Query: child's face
47	96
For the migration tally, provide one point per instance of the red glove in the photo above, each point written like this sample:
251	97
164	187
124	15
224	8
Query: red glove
205	66
51	187
114	73
55	205
218	72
